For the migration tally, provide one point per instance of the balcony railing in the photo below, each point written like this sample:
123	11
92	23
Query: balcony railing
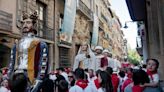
139	46
5	21
101	24
45	33
84	9
138	42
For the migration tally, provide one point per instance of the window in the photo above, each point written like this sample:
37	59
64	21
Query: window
41	17
97	12
24	5
21	6
61	21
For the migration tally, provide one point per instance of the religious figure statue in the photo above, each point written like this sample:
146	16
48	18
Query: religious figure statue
85	58
29	55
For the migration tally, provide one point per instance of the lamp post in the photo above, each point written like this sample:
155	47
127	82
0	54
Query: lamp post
126	26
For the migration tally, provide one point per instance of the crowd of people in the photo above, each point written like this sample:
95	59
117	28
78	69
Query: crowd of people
125	79
92	72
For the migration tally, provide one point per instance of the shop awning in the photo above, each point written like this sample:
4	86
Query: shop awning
137	9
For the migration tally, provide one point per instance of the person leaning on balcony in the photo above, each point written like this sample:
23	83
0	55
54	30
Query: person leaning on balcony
29	55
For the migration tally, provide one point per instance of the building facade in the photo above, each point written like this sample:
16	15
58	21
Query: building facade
64	25
94	24
150	12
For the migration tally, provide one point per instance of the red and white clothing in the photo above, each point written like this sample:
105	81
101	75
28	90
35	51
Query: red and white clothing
101	90
115	81
125	84
137	88
98	62
125	65
153	76
133	88
81	86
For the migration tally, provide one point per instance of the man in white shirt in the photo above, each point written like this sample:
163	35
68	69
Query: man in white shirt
63	73
80	85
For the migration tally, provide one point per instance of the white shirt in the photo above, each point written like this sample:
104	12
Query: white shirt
3	89
93	86
52	77
65	75
111	62
101	90
155	78
117	64
79	89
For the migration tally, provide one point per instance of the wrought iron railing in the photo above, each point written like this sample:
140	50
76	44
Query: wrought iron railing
45	33
84	9
5	21
101	24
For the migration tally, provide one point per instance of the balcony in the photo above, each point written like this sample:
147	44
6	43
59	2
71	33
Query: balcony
139	46
45	33
5	21
101	24
84	9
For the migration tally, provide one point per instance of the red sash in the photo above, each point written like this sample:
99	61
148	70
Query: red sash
97	84
137	88
151	73
82	83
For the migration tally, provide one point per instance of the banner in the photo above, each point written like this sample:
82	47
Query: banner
68	21
95	30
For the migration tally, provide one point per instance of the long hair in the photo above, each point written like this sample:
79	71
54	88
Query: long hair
106	82
19	82
140	77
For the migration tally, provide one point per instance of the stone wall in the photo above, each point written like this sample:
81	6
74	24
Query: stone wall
82	29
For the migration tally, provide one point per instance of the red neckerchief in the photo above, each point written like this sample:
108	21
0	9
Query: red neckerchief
97	84
137	88
82	83
129	75
151	73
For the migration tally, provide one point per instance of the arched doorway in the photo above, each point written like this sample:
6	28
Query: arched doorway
4	55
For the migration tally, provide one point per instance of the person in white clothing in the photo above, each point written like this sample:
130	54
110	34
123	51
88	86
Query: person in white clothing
85	58
99	56
80	85
108	54
4	86
117	63
63	73
152	67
